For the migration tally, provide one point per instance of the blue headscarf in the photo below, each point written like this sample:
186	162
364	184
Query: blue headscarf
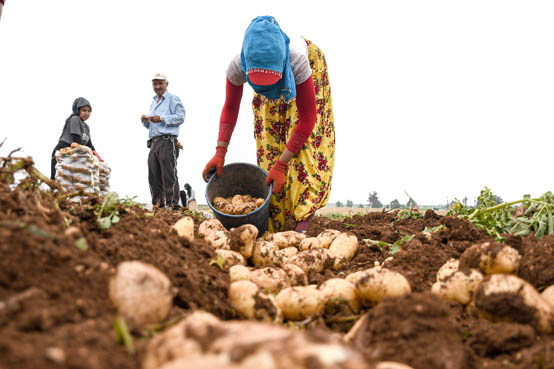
266	46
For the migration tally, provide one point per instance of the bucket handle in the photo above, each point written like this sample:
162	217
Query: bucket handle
210	174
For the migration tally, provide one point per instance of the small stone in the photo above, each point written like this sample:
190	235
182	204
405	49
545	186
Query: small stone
55	354
73	232
104	266
79	268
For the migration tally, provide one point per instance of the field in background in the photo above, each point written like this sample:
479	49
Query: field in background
332	211
344	211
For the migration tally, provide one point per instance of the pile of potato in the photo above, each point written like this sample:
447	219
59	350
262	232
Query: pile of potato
482	280
269	275
238	204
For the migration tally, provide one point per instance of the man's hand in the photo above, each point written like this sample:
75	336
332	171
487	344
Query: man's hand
155	119
144	119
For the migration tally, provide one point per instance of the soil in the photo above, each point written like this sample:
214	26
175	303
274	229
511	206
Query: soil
55	311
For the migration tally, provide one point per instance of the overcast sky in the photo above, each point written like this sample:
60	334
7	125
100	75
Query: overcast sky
438	98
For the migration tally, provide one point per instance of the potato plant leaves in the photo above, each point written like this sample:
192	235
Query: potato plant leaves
532	215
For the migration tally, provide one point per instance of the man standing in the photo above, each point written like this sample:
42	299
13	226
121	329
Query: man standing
166	114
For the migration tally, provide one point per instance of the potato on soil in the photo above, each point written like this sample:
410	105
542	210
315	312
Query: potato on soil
185	228
343	248
392	365
296	275
230	258
141	293
215	234
327	237
265	253
548	295
309	243
314	260
339	293
287	239
505	297
491	258
270	279
298	303
250	303
448	268
243	239
378	283
286	253
353	277
179	340
459	287
201	362
239	273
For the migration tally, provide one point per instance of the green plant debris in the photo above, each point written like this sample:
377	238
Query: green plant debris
393	248
409	214
122	334
532	215
109	207
429	230
219	261
81	244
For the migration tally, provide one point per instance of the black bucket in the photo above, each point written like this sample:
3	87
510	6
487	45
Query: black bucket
241	179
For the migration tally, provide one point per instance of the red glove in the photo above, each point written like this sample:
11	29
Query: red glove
216	162
98	156
277	176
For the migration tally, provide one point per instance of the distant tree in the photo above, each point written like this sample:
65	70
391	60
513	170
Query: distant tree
395	204
361	206
411	204
373	200
349	204
497	199
338	204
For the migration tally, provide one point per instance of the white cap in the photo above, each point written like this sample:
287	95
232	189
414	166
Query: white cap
160	77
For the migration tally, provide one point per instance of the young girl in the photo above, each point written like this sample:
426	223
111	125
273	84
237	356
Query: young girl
75	130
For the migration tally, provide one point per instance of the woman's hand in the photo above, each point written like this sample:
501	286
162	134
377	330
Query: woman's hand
277	176
98	156
216	162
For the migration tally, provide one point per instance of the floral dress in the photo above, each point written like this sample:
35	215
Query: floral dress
309	173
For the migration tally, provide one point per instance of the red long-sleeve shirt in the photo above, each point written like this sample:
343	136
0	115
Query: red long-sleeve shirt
305	104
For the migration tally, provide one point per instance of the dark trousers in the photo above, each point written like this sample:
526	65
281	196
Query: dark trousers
162	171
53	162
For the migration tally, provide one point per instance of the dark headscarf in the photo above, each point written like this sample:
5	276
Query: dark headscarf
77	105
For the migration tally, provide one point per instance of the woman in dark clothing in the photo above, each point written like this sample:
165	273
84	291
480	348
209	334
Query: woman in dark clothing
75	130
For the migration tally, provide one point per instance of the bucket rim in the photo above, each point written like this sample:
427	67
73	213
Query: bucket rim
269	193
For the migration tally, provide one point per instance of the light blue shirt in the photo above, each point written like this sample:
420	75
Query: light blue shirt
171	111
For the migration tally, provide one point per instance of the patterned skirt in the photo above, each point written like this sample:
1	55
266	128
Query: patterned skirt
309	173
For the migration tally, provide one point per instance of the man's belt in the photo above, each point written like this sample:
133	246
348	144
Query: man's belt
165	137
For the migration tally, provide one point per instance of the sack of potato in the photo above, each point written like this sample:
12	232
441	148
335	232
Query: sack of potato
77	169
